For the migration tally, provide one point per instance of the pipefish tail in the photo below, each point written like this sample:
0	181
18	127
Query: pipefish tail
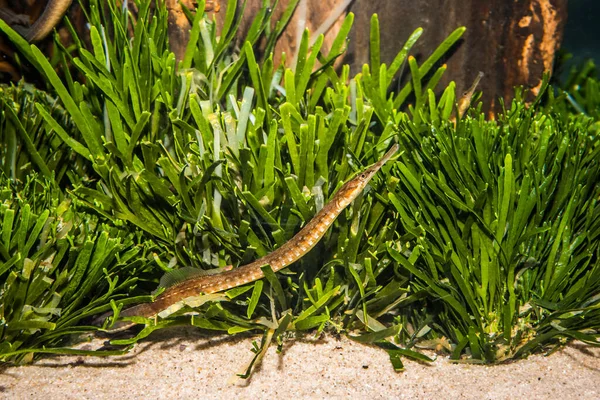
288	253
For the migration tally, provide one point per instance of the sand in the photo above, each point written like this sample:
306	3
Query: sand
185	363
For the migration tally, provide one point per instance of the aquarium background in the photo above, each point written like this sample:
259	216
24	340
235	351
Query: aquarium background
582	33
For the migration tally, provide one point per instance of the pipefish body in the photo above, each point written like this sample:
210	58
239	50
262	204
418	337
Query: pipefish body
288	253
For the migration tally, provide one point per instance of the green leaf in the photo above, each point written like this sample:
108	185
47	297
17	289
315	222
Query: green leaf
256	292
94	145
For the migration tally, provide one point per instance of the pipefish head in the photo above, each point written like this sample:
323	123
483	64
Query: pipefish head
356	185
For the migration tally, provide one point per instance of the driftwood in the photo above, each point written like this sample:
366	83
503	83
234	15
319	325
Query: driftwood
179	25
310	14
512	42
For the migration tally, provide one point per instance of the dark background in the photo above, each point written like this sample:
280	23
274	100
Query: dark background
582	32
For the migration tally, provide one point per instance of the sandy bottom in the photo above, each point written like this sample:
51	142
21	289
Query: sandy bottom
185	364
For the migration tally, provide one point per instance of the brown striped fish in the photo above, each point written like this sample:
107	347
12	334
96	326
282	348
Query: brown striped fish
288	253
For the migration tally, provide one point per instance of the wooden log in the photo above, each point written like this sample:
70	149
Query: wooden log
311	14
512	42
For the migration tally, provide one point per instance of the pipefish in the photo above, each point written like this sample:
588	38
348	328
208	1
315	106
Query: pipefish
288	253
